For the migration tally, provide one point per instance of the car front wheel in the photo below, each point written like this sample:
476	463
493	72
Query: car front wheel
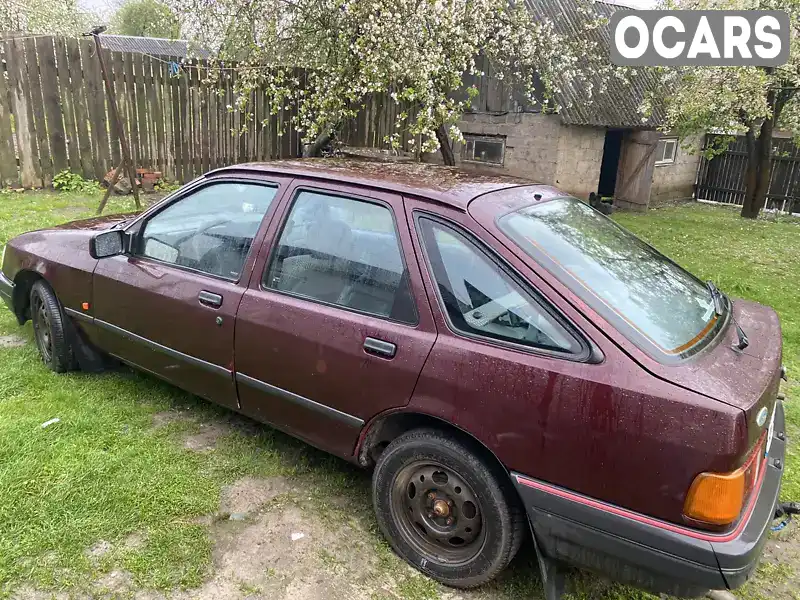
49	329
445	510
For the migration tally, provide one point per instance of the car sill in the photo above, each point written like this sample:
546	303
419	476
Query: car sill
323	409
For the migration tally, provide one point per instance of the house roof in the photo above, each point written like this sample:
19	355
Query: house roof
445	185
153	46
618	105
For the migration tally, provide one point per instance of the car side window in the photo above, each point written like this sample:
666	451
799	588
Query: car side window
345	252
481	299
211	230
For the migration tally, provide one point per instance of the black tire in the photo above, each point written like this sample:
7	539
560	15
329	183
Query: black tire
424	468
49	327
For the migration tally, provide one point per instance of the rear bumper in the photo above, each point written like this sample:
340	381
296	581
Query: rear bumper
648	553
6	290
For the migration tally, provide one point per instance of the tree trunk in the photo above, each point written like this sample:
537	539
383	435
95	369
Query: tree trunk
759	158
758	172
315	147
444	144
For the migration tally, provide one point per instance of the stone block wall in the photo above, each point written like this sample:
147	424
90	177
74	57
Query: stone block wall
580	154
675	181
531	143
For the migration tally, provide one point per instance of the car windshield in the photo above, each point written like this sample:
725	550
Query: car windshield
656	303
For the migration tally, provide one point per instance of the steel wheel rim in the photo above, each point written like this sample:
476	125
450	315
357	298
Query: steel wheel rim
42	328
437	512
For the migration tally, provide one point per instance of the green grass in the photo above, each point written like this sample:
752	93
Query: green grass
104	472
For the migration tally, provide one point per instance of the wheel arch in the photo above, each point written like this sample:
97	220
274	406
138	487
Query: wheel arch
23	282
385	427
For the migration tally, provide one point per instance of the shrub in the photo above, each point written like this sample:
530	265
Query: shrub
72	182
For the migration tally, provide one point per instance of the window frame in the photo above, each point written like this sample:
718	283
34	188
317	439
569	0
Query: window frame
662	161
347	195
588	353
137	228
470	137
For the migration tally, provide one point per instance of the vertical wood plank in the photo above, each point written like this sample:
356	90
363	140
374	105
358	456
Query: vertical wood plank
54	117
213	124
186	125
202	88
22	109
123	108
166	107
196	151
78	95
9	176
96	103
39	122
113	127
142	116
177	125
159	129
67	107
131	103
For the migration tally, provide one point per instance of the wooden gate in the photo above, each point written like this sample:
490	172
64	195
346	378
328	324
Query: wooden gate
721	179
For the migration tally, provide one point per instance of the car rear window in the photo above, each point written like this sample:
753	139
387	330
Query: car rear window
657	304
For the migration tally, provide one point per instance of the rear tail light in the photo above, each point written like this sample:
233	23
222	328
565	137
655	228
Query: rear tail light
718	498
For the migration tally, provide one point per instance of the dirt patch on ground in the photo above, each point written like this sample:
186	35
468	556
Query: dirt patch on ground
12	341
206	439
162	419
779	564
289	552
249	494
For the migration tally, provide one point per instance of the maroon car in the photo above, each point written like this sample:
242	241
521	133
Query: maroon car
509	360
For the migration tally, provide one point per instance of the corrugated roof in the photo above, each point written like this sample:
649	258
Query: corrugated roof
618	105
153	46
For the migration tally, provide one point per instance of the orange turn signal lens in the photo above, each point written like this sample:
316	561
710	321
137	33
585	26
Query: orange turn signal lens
715	498
718	498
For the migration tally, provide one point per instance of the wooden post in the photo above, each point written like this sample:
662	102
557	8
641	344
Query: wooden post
123	140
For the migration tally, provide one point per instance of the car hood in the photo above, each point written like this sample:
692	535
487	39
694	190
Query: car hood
97	223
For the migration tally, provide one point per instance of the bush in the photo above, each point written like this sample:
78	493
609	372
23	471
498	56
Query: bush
72	182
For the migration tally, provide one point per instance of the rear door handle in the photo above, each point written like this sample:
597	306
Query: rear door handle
380	348
210	299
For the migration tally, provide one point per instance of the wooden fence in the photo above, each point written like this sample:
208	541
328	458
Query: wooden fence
54	115
721	179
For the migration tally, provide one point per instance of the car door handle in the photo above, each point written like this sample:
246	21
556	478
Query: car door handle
210	299
380	348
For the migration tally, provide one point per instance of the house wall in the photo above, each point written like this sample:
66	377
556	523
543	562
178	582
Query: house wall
580	154
540	148
676	181
532	142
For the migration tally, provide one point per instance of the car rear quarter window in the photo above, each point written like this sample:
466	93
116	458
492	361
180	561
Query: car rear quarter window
210	230
343	251
482	299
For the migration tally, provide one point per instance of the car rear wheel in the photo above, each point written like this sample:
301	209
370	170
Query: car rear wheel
445	510
49	329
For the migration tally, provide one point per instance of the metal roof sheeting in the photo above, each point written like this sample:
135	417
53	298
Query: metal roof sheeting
619	104
153	46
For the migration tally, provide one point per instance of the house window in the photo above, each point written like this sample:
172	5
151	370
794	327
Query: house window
484	149
666	150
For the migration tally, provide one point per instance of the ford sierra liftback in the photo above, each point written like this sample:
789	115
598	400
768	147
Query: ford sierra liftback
508	361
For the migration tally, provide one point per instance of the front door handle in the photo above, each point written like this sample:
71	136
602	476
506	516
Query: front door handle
210	299
380	348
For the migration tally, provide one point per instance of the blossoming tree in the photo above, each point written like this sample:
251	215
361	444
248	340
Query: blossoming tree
417	51
753	101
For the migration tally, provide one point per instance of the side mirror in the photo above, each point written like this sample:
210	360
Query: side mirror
108	243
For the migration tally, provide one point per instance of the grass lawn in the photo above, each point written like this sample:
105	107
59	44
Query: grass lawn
73	494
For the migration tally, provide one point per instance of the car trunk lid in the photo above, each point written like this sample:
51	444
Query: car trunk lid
748	379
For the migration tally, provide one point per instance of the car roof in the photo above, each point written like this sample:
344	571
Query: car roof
447	185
